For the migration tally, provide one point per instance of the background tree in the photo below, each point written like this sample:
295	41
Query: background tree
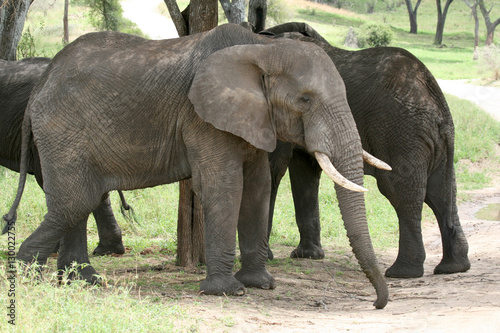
12	17
438	39
412	12
234	10
490	26
257	13
105	14
199	16
65	22
473	7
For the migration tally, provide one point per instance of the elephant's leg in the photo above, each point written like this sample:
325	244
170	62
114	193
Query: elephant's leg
305	174
220	199
110	235
73	249
278	162
407	198
252	225
42	242
70	200
441	197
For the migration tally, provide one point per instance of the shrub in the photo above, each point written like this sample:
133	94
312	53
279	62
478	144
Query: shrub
375	34
489	61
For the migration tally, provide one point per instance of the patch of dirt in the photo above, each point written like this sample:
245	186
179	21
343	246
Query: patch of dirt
334	295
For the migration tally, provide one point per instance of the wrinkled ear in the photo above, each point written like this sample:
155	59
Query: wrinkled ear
228	92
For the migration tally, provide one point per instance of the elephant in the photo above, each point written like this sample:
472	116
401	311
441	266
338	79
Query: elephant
128	113
403	119
17	79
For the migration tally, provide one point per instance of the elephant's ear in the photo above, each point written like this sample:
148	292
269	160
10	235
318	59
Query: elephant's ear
228	92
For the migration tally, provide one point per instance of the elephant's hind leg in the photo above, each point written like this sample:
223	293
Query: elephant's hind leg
441	197
406	192
73	251
110	235
252	225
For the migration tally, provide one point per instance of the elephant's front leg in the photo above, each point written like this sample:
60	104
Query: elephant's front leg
110	235
305	174
221	198
252	224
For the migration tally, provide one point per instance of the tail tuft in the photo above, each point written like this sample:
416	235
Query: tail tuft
10	221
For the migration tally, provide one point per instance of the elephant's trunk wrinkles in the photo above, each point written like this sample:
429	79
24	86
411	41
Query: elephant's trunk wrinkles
352	208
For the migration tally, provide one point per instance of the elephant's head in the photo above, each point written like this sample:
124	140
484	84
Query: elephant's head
292	91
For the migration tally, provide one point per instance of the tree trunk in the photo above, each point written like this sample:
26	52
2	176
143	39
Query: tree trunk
234	10
438	38
490	26
177	17
473	8
12	17
199	16
413	15
190	233
257	12
65	22
203	15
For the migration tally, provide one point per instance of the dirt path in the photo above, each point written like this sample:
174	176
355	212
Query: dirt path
488	98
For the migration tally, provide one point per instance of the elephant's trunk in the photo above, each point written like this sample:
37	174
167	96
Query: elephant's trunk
337	138
352	208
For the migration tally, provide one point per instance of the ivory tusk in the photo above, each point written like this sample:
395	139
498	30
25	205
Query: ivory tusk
329	169
372	160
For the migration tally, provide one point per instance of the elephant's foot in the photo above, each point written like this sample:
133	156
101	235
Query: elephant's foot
256	278
217	284
87	274
308	252
405	270
452	266
110	248
455	258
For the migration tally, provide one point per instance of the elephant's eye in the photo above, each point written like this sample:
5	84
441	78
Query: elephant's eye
305	99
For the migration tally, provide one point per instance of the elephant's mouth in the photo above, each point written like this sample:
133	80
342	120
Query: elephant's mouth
331	171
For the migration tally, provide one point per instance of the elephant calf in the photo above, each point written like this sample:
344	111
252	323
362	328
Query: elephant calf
17	79
403	119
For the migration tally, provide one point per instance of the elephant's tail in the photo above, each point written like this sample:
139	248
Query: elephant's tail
127	211
27	137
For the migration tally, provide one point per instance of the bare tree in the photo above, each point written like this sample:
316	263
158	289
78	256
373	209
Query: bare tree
473	7
438	39
490	26
234	10
65	22
412	12
199	16
12	17
257	13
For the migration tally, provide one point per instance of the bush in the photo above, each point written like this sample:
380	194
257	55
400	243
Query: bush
375	34
489	62
278	12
